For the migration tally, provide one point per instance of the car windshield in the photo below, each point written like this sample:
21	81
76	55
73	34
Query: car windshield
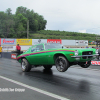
52	45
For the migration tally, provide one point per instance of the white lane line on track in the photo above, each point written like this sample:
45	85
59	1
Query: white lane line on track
35	89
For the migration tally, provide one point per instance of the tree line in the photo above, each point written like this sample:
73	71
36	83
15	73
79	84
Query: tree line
56	34
15	25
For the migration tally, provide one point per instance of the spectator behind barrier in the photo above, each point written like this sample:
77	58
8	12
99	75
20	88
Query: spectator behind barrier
99	50
18	48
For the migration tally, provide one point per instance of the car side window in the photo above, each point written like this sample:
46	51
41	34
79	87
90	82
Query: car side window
39	47
33	49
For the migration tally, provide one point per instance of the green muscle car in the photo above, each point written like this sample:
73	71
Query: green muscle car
49	54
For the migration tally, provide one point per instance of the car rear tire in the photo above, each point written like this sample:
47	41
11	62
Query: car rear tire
85	64
47	67
61	64
26	67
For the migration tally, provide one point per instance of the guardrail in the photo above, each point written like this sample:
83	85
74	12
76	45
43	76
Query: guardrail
9	55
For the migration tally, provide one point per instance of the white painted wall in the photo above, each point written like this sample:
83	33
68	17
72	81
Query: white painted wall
68	42
37	41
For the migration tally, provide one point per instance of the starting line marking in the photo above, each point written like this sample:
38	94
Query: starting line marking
35	89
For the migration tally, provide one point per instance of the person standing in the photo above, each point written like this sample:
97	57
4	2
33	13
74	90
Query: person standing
98	53
0	51
18	48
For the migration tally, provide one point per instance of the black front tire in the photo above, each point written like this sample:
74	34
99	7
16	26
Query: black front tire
61	64
85	64
26	67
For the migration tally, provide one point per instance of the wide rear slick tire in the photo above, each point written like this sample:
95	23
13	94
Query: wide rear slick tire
26	67
61	64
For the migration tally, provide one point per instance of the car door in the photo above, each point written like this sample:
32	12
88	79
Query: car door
38	56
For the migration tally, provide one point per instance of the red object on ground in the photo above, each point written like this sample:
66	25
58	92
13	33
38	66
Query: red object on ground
13	56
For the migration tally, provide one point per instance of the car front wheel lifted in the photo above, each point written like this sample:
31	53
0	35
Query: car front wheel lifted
85	64
61	64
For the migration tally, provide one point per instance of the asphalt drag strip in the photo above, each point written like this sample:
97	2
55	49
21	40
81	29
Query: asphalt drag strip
9	91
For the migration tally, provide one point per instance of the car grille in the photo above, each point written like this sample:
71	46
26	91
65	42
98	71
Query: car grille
87	53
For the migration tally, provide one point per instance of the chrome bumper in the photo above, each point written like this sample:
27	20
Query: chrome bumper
85	56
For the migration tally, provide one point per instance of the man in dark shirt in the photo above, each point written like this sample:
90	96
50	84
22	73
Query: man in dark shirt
18	48
98	57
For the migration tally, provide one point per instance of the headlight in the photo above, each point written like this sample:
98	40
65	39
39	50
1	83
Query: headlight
96	51
76	52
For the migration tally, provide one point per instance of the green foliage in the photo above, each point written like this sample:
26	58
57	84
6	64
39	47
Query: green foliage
15	25
49	34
